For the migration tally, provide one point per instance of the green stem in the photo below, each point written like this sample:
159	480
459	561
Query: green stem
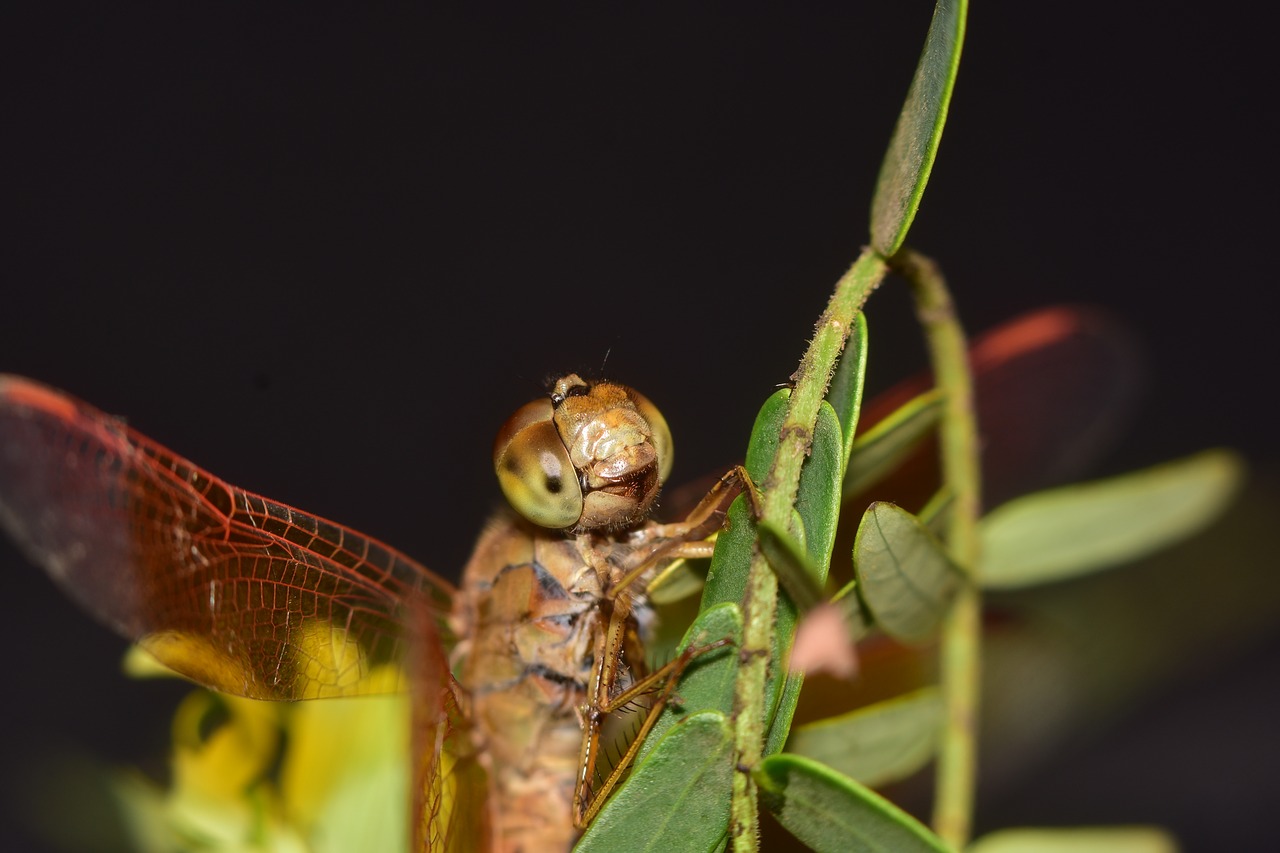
778	493
961	635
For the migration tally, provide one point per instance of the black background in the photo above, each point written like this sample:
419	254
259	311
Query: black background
324	252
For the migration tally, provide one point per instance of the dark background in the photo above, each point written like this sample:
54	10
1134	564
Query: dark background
325	252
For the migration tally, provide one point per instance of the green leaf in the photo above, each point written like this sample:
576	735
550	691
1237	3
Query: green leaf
781	713
907	163
1101	839
707	684
817	502
882	448
830	812
677	799
676	582
818	497
727	575
904	575
936	514
854	611
763	444
791	564
878	744
731	563
1066	532
818	505
845	391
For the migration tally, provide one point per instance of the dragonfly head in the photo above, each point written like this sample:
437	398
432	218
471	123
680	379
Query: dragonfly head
589	456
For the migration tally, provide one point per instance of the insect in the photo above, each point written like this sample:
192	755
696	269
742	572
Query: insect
513	674
253	598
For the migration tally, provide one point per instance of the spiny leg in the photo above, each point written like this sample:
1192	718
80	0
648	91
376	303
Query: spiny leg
668	541
686	538
587	803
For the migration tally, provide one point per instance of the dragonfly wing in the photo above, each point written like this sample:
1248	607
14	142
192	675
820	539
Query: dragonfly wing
450	787
237	592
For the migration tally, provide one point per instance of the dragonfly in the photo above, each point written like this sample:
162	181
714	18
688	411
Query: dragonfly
512	675
251	597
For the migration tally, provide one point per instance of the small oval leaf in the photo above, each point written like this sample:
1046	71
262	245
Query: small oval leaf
914	144
904	575
1101	839
830	812
677	798
879	743
1074	530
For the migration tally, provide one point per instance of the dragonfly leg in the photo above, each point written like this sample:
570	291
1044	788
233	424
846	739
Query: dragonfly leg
688	538
660	684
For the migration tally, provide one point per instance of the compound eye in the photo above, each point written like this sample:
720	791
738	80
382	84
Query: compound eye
661	433
534	468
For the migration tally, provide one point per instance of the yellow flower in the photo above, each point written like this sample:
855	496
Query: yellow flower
319	776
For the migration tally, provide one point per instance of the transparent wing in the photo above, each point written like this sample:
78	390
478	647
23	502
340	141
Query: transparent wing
237	592
450	786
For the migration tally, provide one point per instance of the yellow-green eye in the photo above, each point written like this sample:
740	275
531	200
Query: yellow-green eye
534	469
661	433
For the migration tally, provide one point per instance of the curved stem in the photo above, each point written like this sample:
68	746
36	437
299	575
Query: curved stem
961	637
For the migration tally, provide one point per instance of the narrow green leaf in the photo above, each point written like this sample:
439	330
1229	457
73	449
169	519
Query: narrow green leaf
881	449
731	563
854	611
674	583
845	391
677	799
830	812
763	444
904	575
791	564
914	145
936	514
879	743
818	498
727	574
781	713
1066	532
818	505
1100	839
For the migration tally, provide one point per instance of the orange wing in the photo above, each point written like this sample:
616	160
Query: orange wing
237	592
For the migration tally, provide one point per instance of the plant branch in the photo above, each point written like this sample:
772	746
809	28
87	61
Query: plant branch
778	497
961	633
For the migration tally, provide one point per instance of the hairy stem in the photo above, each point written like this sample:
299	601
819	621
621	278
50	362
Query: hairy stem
778	496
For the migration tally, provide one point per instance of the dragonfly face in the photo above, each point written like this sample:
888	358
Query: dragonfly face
589	457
